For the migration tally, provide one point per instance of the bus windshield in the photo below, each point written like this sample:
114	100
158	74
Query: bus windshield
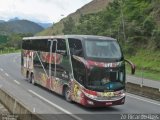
102	49
106	79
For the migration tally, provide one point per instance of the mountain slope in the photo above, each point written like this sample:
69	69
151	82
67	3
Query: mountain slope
92	7
19	26
2	21
45	25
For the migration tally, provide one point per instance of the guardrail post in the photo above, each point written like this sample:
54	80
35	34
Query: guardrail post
142	77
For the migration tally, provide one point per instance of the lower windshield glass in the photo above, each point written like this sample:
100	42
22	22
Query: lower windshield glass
102	49
105	79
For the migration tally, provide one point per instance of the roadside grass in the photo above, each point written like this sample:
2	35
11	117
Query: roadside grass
9	51
147	64
145	74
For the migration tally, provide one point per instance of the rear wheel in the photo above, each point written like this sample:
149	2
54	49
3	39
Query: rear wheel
32	79
67	94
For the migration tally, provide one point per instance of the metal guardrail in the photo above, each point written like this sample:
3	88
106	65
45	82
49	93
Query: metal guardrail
16	108
149	92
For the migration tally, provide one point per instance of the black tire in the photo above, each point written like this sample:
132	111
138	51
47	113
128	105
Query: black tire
67	94
31	80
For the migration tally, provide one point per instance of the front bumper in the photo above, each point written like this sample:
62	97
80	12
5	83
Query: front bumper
105	103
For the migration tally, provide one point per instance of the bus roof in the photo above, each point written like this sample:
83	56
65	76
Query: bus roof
81	37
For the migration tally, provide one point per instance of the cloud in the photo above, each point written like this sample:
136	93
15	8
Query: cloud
42	10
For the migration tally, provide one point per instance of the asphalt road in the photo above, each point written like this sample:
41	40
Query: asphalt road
52	106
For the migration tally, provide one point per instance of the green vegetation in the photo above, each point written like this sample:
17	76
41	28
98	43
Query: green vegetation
136	25
147	60
11	43
147	74
9	50
3	39
147	64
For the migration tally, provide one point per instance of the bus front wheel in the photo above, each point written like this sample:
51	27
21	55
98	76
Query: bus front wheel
67	94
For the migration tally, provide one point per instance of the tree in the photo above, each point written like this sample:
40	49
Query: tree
69	26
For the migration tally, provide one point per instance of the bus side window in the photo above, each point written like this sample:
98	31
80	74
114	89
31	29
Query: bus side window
61	47
26	45
75	46
40	45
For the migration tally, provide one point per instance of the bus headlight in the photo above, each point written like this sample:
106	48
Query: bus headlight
120	93
90	102
90	94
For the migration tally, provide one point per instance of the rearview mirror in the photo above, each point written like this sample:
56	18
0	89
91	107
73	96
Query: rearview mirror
133	67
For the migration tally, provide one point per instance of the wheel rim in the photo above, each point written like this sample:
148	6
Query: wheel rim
32	80
67	94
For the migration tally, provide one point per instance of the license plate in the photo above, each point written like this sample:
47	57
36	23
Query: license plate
109	103
108	94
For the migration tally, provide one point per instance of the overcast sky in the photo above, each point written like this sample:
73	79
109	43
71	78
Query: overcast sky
39	10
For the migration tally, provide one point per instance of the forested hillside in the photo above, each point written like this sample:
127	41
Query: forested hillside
134	23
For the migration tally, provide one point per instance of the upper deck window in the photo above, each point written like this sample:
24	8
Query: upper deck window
75	46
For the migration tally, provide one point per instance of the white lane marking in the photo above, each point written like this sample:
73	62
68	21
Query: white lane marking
54	105
1	69
17	82
143	100
7	74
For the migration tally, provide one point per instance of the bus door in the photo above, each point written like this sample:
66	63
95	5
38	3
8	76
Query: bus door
63	65
28	57
30	60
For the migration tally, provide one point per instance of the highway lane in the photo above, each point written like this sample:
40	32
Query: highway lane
42	101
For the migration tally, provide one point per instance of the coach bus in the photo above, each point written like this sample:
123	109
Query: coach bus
86	69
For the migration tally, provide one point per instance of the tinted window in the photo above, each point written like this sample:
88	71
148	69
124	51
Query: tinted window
61	44
102	49
26	44
37	45
75	46
40	45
